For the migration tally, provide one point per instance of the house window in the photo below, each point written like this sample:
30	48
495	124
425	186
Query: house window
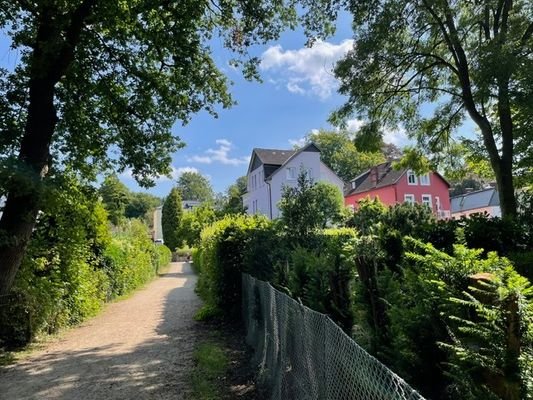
310	173
353	184
424	180
411	178
437	203
291	173
426	200
409	198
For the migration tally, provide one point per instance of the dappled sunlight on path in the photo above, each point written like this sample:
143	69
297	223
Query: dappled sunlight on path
138	348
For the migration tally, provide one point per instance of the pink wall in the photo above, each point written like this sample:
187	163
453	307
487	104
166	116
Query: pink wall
387	195
393	194
436	188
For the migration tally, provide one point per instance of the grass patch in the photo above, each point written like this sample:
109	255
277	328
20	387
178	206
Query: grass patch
207	313
211	364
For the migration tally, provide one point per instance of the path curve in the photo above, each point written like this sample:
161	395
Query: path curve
138	348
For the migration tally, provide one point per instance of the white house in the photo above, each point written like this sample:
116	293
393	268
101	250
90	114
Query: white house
270	170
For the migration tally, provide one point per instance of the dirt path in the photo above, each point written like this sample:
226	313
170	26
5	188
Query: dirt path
139	348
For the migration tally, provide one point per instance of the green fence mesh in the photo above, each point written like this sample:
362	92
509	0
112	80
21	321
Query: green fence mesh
303	354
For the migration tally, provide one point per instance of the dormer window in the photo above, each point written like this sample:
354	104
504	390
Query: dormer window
424	180
411	178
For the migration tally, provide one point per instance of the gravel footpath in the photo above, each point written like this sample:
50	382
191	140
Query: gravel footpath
138	348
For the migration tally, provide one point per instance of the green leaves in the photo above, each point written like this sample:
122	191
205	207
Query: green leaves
171	216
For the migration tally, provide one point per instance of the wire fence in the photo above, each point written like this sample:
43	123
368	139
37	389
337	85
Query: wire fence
302	354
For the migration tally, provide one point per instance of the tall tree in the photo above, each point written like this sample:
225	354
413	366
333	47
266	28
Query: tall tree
115	196
233	198
309	206
96	75
195	186
141	203
171	216
462	57
339	152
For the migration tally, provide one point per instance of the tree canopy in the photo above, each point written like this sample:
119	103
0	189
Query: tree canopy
100	83
339	152
194	186
309	206
461	58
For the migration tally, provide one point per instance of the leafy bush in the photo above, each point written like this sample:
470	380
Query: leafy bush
73	265
223	248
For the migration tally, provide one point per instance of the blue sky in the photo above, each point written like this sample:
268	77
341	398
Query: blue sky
297	96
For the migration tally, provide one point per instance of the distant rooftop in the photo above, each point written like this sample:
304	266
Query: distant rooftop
473	200
386	175
273	156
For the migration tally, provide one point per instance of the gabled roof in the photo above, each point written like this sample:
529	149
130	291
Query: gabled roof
274	159
386	176
473	200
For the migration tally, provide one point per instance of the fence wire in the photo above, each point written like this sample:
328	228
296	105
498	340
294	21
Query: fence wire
302	354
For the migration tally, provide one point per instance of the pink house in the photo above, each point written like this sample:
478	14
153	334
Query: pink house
393	186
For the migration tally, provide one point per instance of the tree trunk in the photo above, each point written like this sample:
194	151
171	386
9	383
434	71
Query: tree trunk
22	205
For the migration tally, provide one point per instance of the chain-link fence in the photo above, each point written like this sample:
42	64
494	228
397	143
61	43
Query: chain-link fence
303	354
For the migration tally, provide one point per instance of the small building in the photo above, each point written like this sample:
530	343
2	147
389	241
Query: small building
271	169
189	205
157	232
394	186
478	202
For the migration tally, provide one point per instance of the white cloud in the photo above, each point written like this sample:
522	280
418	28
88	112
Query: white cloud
307	70
353	125
220	155
397	137
297	142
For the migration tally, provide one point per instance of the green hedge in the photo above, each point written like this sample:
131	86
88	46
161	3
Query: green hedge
73	265
223	256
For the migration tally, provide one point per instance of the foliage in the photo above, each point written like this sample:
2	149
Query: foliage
115	196
192	223
339	152
232	200
309	206
464	58
194	186
139	204
74	265
99	85
446	326
222	259
171	217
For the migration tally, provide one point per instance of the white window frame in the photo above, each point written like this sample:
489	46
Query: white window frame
437	203
291	173
409	175
409	196
424	180
428	196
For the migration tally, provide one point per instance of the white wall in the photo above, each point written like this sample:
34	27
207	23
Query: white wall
257	198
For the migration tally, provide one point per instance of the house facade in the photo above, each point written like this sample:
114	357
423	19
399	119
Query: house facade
270	170
393	186
478	202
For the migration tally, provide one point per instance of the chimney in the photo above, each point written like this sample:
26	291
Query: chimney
374	176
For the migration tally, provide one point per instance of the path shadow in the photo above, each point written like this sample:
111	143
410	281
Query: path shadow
155	369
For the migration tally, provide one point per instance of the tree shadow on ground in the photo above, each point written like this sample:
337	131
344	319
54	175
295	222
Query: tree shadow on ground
157	368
